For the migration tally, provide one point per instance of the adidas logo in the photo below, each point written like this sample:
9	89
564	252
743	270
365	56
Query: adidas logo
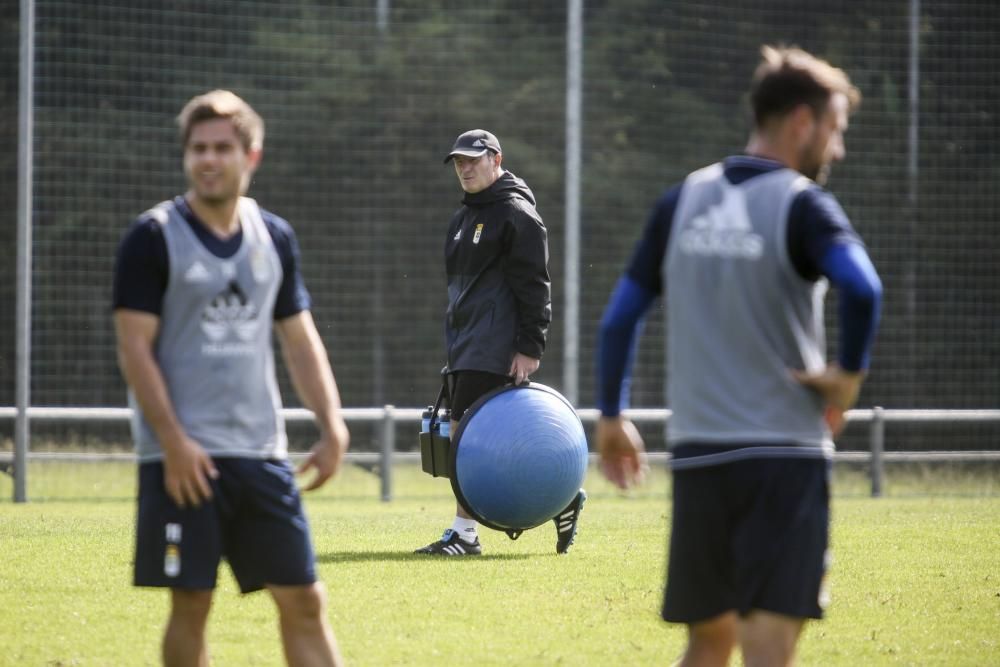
478	143
455	549
197	273
723	230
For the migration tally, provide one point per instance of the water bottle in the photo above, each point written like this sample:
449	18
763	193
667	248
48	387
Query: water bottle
446	424
425	419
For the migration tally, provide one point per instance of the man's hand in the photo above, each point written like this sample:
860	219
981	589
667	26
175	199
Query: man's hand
839	390
521	367
327	454
622	452
835	420
186	471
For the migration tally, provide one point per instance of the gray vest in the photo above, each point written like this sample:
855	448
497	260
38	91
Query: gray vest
739	317
214	343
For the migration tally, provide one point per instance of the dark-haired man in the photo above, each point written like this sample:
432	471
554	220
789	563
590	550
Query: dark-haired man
499	303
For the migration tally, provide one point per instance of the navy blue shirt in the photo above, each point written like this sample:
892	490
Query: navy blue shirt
820	242
142	266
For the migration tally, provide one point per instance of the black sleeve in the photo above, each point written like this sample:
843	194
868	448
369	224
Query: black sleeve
293	297
141	268
815	222
645	266
526	272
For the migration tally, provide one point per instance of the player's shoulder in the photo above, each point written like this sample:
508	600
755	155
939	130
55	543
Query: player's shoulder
143	243
283	237
814	203
709	172
156	216
273	220
278	227
147	227
667	198
662	212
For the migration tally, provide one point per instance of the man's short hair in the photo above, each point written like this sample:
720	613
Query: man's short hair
788	77
248	124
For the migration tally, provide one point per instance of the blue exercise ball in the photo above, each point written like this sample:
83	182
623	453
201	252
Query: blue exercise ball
519	456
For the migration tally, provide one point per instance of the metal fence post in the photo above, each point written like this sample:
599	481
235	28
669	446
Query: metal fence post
388	448
25	184
877	444
574	132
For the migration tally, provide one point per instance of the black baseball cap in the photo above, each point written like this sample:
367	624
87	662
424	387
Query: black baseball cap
473	144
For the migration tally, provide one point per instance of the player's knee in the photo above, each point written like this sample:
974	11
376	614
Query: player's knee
720	630
192	606
304	602
712	641
769	639
767	651
315	600
767	655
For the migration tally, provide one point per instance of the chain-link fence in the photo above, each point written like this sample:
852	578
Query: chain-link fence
362	99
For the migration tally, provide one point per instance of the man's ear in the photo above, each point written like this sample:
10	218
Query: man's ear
254	157
802	120
499	159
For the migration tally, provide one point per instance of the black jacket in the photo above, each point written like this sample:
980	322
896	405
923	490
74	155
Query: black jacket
499	295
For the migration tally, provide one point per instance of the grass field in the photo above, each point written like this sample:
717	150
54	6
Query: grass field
915	580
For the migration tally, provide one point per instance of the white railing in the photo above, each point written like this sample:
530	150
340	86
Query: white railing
388	417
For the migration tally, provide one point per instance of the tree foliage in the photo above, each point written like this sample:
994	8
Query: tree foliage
359	115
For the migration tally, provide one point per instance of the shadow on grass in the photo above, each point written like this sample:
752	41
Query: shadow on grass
68	500
366	556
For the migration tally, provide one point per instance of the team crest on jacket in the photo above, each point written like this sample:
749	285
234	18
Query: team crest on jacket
479	232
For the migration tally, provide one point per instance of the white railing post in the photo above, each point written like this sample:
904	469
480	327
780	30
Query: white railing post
877	443
388	449
386	419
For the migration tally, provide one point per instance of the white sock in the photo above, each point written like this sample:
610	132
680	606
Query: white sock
466	529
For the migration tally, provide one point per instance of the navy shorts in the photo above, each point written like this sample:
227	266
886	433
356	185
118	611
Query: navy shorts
749	535
467	387
254	520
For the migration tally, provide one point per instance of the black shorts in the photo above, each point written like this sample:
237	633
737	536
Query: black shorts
466	387
749	535
254	520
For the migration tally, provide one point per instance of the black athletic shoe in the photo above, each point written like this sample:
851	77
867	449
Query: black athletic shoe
451	544
566	523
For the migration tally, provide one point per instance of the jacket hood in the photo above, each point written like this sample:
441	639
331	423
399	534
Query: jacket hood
507	186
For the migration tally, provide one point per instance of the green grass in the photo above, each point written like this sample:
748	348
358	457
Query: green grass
915	580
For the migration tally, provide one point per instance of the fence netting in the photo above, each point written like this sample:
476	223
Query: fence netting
362	100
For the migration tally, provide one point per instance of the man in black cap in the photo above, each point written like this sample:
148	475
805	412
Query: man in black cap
499	302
